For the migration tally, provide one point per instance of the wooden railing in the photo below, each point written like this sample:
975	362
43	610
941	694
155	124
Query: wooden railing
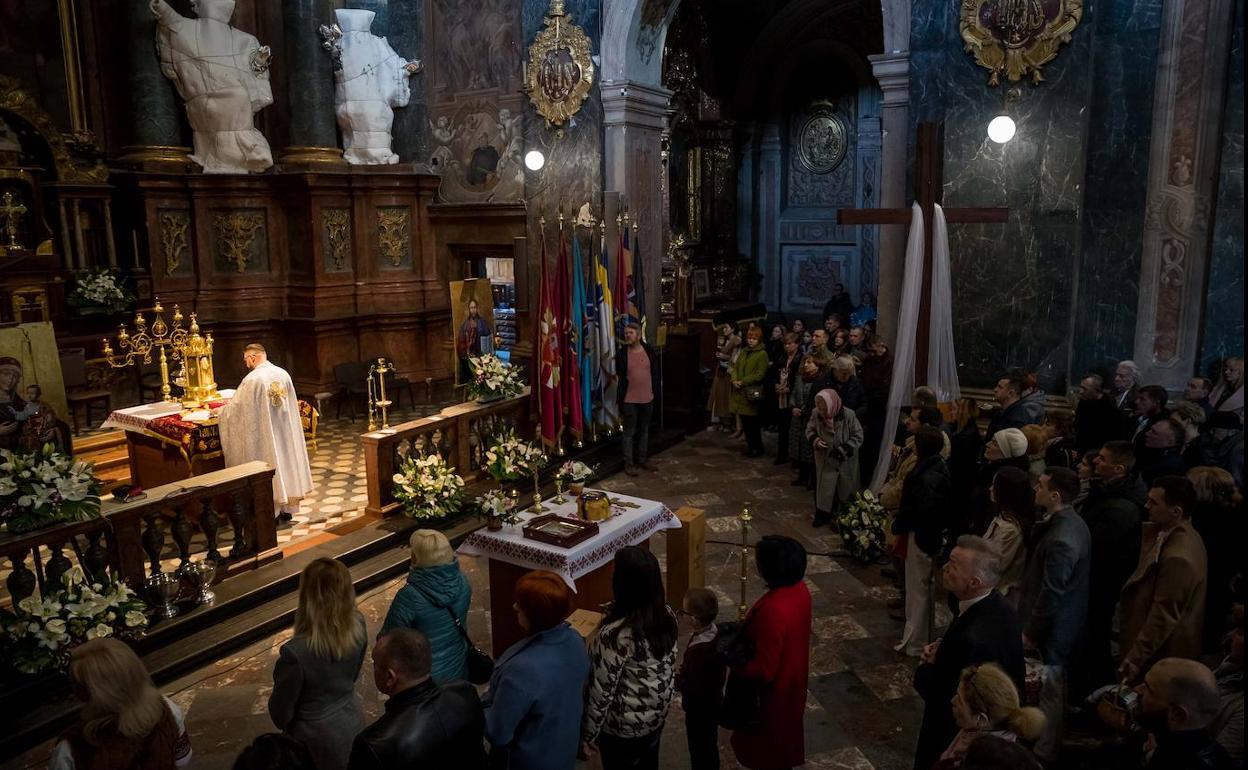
231	509
460	434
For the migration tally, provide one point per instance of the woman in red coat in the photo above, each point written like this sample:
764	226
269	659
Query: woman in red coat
779	624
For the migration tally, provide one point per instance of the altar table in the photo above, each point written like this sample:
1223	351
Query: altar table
163	446
586	567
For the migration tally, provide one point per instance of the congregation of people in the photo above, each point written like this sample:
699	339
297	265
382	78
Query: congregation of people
1087	559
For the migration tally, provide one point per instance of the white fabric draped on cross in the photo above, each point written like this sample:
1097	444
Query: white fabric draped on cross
942	362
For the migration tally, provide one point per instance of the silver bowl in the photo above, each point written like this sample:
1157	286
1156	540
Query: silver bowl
201	574
163	589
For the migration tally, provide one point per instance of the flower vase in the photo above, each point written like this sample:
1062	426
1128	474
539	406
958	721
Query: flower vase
494	523
489	398
575	488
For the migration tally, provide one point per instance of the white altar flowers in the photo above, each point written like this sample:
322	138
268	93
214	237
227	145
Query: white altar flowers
861	524
510	457
45	487
493	379
428	488
575	471
100	287
40	632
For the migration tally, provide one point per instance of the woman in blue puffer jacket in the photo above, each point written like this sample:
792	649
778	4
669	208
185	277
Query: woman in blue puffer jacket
435	588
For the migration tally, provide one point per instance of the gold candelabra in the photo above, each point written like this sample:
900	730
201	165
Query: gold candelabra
377	395
139	346
746	518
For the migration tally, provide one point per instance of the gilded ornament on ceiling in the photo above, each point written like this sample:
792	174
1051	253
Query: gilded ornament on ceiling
559	72
1014	38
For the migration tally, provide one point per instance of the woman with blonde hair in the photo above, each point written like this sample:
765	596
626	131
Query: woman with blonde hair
1219	518
434	601
313	695
987	703
125	723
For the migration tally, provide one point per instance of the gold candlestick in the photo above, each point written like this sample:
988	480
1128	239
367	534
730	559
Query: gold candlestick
139	346
537	495
559	498
381	369
745	554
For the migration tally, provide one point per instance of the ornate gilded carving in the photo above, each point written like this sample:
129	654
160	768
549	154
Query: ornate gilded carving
392	234
68	167
822	139
336	229
236	234
559	72
174	226
1017	37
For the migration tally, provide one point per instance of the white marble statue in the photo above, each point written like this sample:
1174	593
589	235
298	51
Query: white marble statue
222	74
370	80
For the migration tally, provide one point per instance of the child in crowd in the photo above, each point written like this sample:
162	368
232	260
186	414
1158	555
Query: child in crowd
700	681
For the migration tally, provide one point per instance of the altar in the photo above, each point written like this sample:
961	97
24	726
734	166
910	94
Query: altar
164	445
586	567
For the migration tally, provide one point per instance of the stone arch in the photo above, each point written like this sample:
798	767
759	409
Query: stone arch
633	35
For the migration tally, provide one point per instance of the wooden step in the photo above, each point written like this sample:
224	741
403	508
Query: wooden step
98	442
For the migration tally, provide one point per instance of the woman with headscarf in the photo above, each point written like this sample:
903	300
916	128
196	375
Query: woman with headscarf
836	435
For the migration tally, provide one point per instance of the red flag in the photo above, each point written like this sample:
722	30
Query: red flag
571	365
549	358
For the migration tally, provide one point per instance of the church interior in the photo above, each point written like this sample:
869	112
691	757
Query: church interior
838	325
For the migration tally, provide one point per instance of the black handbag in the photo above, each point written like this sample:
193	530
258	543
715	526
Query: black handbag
753	393
742	707
479	664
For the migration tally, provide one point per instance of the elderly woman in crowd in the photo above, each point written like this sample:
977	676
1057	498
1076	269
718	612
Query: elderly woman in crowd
313	696
125	723
432	601
836	435
779	626
534	706
801	451
987	703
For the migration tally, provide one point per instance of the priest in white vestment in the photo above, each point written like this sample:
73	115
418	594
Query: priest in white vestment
261	422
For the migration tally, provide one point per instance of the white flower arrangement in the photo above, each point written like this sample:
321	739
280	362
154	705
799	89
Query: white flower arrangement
494	504
100	287
39	633
861	525
510	457
575	471
428	488
492	378
45	487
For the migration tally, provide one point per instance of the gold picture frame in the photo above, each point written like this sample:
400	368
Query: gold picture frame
559	72
1017	37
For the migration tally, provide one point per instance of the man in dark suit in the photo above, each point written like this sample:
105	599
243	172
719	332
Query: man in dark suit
1013	412
1097	420
1150	409
424	725
1053	604
986	630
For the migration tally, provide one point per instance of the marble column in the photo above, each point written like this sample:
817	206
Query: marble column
634	118
1187	121
156	129
867	179
406	30
310	91
770	178
892	72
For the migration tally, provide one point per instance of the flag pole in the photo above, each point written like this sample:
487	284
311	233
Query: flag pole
558	256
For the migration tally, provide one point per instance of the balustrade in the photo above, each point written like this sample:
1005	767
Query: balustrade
131	541
459	433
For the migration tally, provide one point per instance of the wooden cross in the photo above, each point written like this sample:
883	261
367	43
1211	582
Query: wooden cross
928	191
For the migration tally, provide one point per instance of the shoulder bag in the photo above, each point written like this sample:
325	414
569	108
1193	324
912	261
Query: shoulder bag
479	664
742	707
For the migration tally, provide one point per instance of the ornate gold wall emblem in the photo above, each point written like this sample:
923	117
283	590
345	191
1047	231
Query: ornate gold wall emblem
1017	37
236	235
392	234
822	139
336	226
559	71
173	238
